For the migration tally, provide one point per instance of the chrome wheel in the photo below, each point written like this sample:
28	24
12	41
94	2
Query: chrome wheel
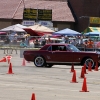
89	61
39	61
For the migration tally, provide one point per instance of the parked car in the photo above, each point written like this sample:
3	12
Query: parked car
63	54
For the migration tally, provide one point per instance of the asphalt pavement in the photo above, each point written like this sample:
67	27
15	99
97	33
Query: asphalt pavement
46	83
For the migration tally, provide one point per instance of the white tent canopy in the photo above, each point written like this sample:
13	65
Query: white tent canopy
40	28
16	28
21	26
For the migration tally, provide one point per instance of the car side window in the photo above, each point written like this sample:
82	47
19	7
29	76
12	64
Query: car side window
62	48
54	48
50	48
57	48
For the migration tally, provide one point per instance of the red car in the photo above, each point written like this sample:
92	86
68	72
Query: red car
61	54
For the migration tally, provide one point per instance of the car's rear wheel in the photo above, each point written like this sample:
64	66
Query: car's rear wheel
48	65
39	61
89	61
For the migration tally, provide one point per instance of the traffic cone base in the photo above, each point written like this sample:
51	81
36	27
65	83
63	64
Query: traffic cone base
73	82
10	73
84	91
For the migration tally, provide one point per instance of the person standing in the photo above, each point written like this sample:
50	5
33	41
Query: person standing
43	42
14	47
90	44
65	39
49	40
6	44
85	45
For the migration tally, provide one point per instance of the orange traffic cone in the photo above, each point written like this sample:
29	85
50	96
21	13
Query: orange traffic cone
3	59
96	67
74	77
89	67
72	68
33	96
23	63
85	69
10	69
84	87
9	58
82	73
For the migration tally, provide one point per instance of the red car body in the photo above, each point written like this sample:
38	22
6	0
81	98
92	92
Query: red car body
53	54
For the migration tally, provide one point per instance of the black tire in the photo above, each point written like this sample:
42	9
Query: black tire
39	61
88	61
48	65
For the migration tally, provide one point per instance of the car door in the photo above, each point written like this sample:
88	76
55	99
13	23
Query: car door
57	55
63	56
50	55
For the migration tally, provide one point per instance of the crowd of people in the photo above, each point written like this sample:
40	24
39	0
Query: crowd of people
79	41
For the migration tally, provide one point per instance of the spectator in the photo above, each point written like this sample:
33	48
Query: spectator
63	39
66	39
23	44
74	42
49	40
80	41
6	40
90	43
15	39
6	44
14	47
36	42
85	45
43	42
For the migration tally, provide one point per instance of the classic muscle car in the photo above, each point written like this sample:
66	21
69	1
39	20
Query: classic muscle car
62	54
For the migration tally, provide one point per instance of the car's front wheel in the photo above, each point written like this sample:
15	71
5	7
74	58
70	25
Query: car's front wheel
39	61
89	61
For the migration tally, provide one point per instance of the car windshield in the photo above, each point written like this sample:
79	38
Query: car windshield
73	48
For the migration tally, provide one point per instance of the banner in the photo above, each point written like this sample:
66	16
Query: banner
37	14
28	22
45	14
30	14
94	20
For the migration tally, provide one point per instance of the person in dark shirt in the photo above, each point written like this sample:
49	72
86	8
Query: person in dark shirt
43	41
6	40
6	44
